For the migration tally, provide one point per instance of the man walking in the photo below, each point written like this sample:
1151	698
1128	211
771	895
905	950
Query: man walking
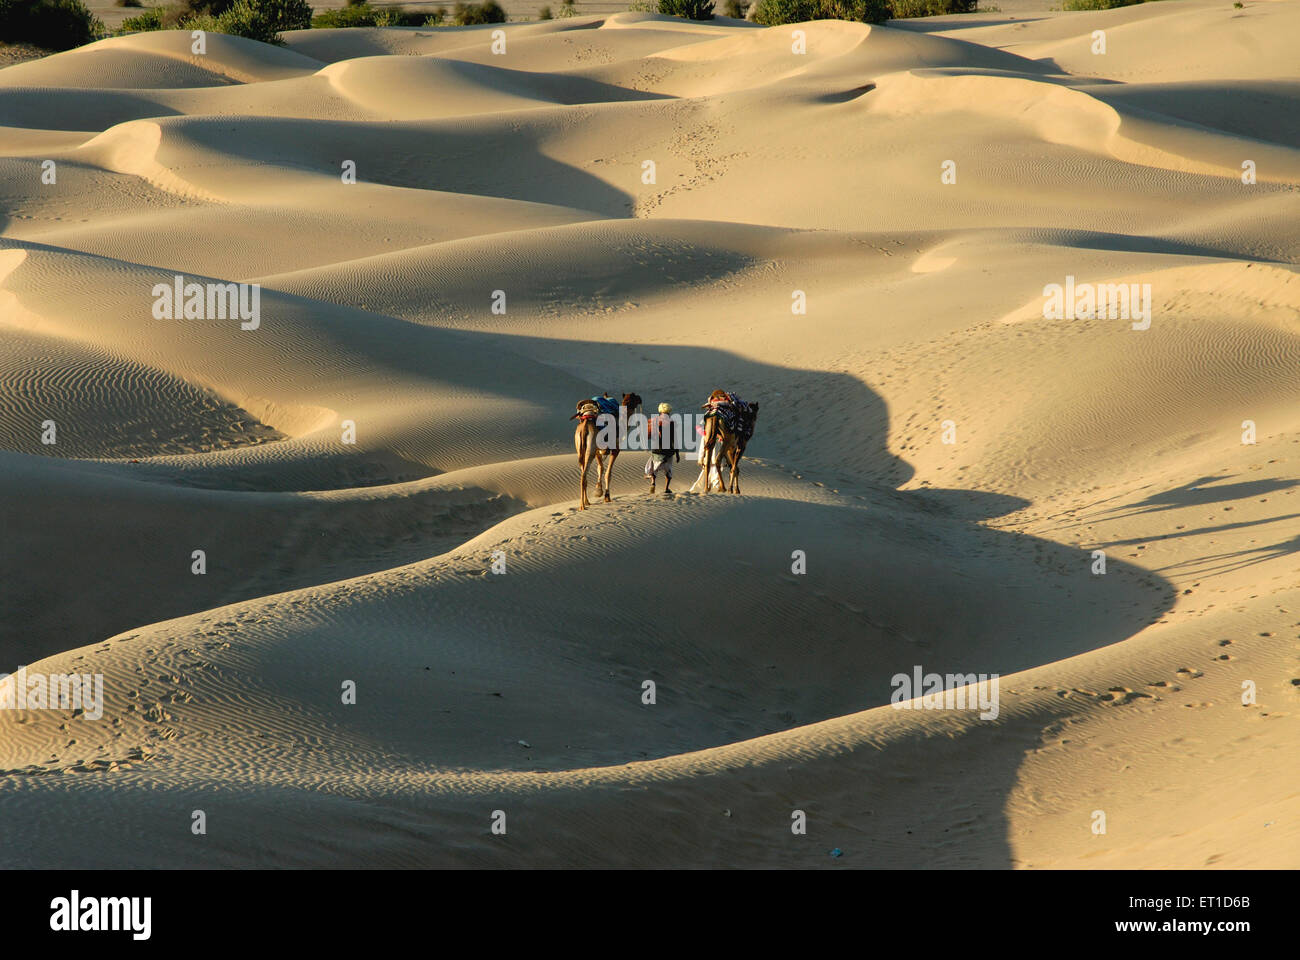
665	447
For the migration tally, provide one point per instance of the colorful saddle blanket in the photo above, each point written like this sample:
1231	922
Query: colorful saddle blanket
736	414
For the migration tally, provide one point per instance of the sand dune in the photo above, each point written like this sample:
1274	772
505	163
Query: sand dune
1174	449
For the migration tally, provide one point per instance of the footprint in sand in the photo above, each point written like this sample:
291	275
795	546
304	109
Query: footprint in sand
1114	696
1121	695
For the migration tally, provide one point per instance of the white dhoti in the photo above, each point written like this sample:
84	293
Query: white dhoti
715	478
657	465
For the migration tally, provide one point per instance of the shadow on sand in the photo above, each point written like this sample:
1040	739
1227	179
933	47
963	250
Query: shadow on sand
893	570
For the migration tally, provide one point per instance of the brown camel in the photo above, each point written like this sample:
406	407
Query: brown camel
586	442
716	432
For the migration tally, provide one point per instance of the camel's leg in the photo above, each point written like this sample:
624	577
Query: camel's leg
710	436
611	456
584	461
734	456
719	456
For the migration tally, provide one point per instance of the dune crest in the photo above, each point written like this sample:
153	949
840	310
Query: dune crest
132	148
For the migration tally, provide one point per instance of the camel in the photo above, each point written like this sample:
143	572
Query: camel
716	432
585	442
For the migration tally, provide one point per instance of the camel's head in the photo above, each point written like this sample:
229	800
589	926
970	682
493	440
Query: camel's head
632	401
715	397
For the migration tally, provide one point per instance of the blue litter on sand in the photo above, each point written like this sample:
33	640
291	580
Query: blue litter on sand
837	852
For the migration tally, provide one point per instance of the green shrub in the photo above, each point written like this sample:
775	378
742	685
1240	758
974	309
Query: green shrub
180	12
353	15
545	14
207	23
863	11
255	19
127	3
690	9
52	24
243	19
1097	4
397	17
286	14
151	19
901	9
260	20
735	9
772	12
362	14
468	14
568	9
